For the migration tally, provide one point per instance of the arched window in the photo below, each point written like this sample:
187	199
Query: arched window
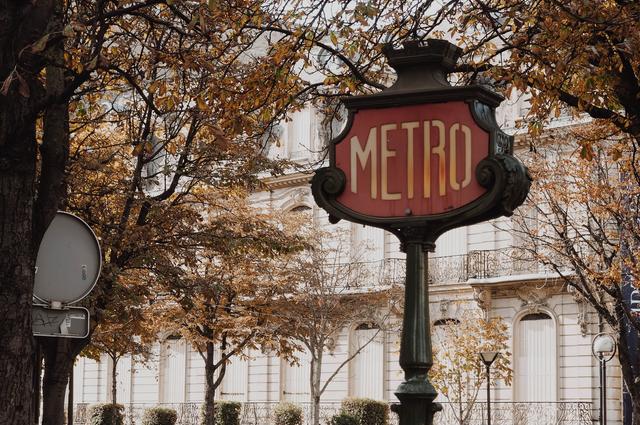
535	365
366	369
172	370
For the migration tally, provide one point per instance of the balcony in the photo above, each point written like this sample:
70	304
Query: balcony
485	264
502	413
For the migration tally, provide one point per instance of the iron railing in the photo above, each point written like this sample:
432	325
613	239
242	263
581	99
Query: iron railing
480	264
369	276
502	413
519	413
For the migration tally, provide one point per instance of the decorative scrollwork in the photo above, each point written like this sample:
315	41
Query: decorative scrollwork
487	172
484	116
330	180
518	182
505	174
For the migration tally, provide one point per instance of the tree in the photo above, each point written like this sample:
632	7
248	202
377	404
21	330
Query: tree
585	228
124	330
582	58
207	75
566	54
332	291
458	372
221	296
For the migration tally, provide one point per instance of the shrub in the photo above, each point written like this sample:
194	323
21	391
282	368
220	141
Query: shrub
366	411
287	414
224	413
343	419
159	416
106	414
227	412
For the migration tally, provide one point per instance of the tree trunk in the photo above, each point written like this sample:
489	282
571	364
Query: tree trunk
17	263
210	387
59	357
37	382
70	399
316	374
628	362
21	24
114	380
635	420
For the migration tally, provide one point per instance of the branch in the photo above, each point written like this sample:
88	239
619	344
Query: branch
136	87
352	67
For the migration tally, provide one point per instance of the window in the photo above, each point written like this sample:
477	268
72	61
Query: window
124	370
366	369
295	379
172	370
234	382
535	358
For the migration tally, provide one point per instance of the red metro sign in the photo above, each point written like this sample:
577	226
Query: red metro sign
417	159
411	160
421	157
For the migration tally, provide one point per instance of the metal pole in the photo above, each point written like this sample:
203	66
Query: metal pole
70	399
416	394
488	394
603	391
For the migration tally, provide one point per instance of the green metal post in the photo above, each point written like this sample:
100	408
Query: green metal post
416	394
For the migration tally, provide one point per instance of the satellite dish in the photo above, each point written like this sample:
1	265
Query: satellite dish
69	261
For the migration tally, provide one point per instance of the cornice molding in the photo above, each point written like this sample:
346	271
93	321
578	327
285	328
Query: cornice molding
518	288
288	180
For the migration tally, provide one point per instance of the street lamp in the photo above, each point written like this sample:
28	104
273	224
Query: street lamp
603	348
488	357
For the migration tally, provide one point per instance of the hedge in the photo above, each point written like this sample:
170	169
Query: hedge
106	414
287	414
366	411
343	419
224	413
159	416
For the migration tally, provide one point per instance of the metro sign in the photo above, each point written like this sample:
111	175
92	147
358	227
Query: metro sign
421	157
412	160
417	159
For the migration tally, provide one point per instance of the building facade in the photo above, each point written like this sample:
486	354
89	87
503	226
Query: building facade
555	376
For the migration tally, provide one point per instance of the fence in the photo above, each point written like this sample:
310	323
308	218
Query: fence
502	413
514	413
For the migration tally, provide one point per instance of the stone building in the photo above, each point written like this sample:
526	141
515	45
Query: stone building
555	376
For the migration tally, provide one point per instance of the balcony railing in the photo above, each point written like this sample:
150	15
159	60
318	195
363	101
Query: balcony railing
482	264
502	413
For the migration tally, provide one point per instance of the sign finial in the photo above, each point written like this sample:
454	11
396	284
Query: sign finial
422	65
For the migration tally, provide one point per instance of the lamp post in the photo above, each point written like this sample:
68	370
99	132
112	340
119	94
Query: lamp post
488	357
603	348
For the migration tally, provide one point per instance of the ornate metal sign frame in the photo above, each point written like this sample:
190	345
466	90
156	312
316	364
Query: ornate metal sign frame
422	80
505	178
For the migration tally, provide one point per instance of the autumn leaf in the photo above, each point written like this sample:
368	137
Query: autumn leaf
202	105
41	44
6	84
137	150
23	87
